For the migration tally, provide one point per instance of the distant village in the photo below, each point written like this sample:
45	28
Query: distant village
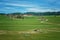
29	14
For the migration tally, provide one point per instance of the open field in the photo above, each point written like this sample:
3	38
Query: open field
23	29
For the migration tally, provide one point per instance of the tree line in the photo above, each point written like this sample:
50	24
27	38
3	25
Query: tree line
33	13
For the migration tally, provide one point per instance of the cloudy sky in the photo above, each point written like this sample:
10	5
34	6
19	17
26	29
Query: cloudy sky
10	6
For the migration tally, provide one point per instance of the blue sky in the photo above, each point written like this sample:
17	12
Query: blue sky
10	6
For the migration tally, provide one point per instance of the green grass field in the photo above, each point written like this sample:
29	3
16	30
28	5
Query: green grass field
17	29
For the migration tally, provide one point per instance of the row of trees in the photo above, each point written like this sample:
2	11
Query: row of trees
43	13
33	13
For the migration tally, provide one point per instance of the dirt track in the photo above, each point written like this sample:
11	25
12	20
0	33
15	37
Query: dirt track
45	30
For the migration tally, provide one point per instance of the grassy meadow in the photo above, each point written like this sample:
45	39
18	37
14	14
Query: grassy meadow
22	29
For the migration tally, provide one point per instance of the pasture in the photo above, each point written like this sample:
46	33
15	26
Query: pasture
23	29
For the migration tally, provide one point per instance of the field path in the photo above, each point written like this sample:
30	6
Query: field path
44	30
53	23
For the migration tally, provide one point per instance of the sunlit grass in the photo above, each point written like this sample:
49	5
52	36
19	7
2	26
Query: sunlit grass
29	23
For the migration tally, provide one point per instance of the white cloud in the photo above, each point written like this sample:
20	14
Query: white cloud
20	5
39	10
33	9
30	7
